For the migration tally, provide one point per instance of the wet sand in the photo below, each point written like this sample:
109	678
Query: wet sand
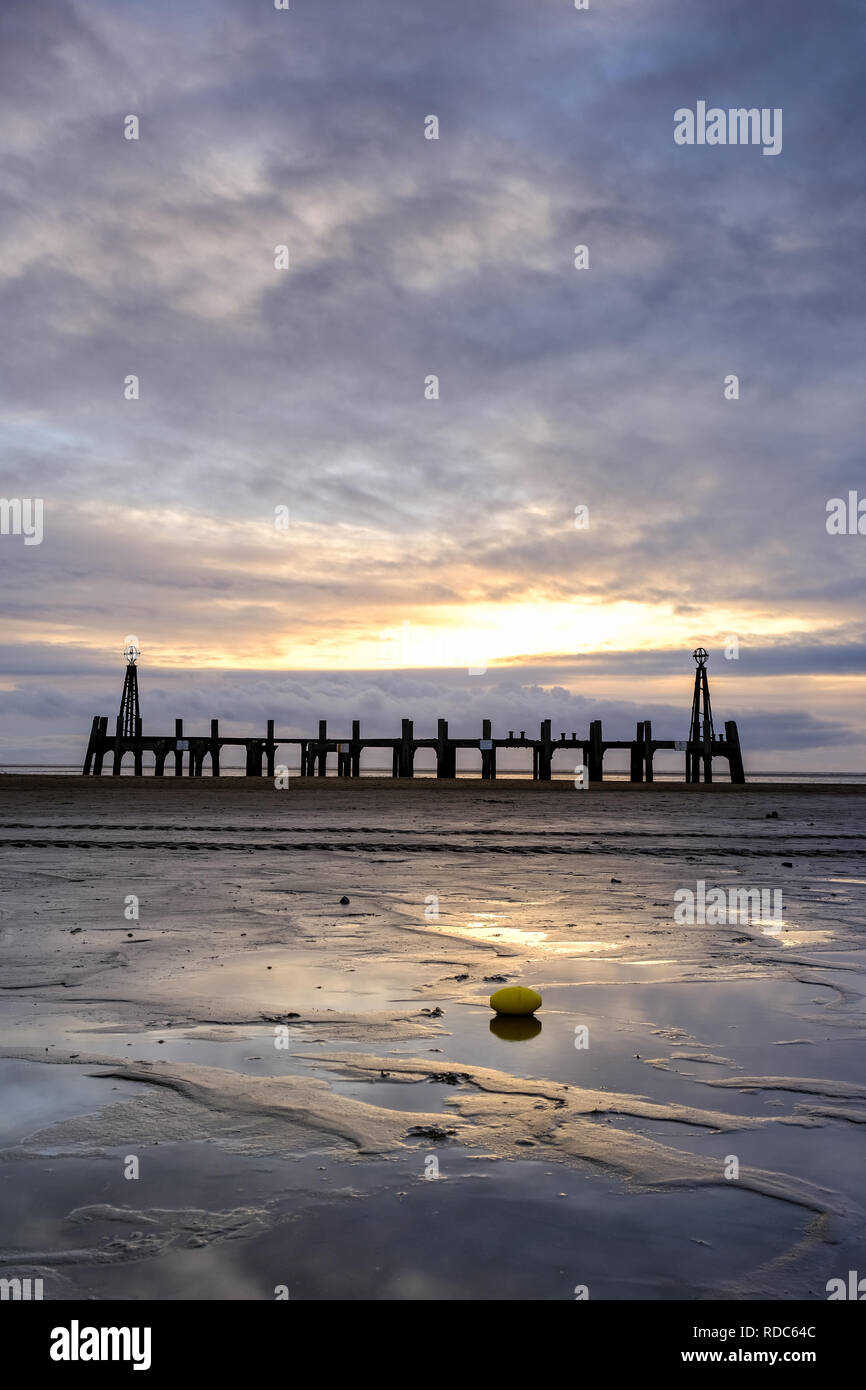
317	1096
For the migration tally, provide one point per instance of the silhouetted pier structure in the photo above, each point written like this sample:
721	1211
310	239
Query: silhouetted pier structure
189	752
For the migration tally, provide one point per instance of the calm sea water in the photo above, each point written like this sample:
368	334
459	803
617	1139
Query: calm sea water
672	775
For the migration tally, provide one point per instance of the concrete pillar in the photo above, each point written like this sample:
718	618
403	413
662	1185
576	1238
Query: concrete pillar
488	763
100	746
637	755
407	751
544	752
91	746
596	752
735	756
442	769
648	748
270	748
355	750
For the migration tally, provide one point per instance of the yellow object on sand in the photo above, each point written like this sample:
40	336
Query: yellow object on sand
515	999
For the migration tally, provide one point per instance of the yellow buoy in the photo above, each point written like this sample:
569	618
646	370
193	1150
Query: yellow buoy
515	999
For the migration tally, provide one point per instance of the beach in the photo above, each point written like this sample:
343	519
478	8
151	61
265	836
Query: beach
223	1082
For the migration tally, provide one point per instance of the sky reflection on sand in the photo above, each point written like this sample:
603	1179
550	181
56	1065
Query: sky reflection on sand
479	930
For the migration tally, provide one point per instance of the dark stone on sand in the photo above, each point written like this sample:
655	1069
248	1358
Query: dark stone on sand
344	901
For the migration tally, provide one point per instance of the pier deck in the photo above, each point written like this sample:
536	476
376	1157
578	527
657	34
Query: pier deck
190	751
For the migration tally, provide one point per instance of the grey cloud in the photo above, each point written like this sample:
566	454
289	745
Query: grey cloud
412	257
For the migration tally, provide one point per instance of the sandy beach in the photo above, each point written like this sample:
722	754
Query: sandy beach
221	1081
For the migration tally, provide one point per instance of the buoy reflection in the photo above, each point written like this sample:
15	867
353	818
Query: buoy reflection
512	1029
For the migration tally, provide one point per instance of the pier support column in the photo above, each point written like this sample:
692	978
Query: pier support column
100	746
178	755
215	747
637	755
270	748
442	769
544	755
488	755
137	751
323	748
118	746
648	748
596	752
355	750
407	751
91	746
735	756
446	751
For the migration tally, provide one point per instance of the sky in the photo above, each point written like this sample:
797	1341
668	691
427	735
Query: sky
287	517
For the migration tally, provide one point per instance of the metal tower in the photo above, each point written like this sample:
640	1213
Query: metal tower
129	718
701	735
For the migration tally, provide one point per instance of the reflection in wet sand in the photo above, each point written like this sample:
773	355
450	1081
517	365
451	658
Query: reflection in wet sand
515	1029
289	1021
478	930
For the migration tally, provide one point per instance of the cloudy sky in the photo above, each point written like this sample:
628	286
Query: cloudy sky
430	536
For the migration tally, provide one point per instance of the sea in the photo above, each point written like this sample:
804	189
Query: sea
470	774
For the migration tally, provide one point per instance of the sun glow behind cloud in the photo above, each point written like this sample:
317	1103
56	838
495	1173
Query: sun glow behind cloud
471	638
231	593
474	636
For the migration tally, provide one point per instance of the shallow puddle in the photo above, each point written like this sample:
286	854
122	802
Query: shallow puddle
202	1223
282	980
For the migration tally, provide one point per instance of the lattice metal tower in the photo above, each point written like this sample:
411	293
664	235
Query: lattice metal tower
701	734
129	711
